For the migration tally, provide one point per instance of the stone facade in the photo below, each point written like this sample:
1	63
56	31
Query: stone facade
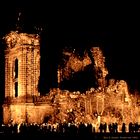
22	71
26	112
23	102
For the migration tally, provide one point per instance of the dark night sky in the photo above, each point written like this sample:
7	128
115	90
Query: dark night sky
79	28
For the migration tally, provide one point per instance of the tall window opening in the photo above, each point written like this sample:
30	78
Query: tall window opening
16	89
16	68
16	77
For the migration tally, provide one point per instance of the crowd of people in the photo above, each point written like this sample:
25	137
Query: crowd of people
66	129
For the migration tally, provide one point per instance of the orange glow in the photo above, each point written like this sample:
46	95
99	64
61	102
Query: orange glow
100	68
108	103
74	64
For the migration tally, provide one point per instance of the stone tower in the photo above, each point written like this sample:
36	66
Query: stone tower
22	65
22	69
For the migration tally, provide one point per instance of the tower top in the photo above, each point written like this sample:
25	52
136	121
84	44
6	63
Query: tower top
15	38
18	24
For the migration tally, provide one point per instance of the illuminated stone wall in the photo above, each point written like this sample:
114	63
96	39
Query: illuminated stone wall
26	112
21	79
101	70
25	48
111	103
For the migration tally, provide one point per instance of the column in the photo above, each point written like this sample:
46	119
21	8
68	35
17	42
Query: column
7	91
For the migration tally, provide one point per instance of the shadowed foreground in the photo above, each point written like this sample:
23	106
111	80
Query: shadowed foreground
59	136
66	131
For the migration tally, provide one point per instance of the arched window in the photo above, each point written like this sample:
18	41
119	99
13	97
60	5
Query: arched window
16	68
16	77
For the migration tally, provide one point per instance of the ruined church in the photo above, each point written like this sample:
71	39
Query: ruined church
24	104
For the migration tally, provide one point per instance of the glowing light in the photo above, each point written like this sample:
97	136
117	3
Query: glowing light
107	103
74	63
